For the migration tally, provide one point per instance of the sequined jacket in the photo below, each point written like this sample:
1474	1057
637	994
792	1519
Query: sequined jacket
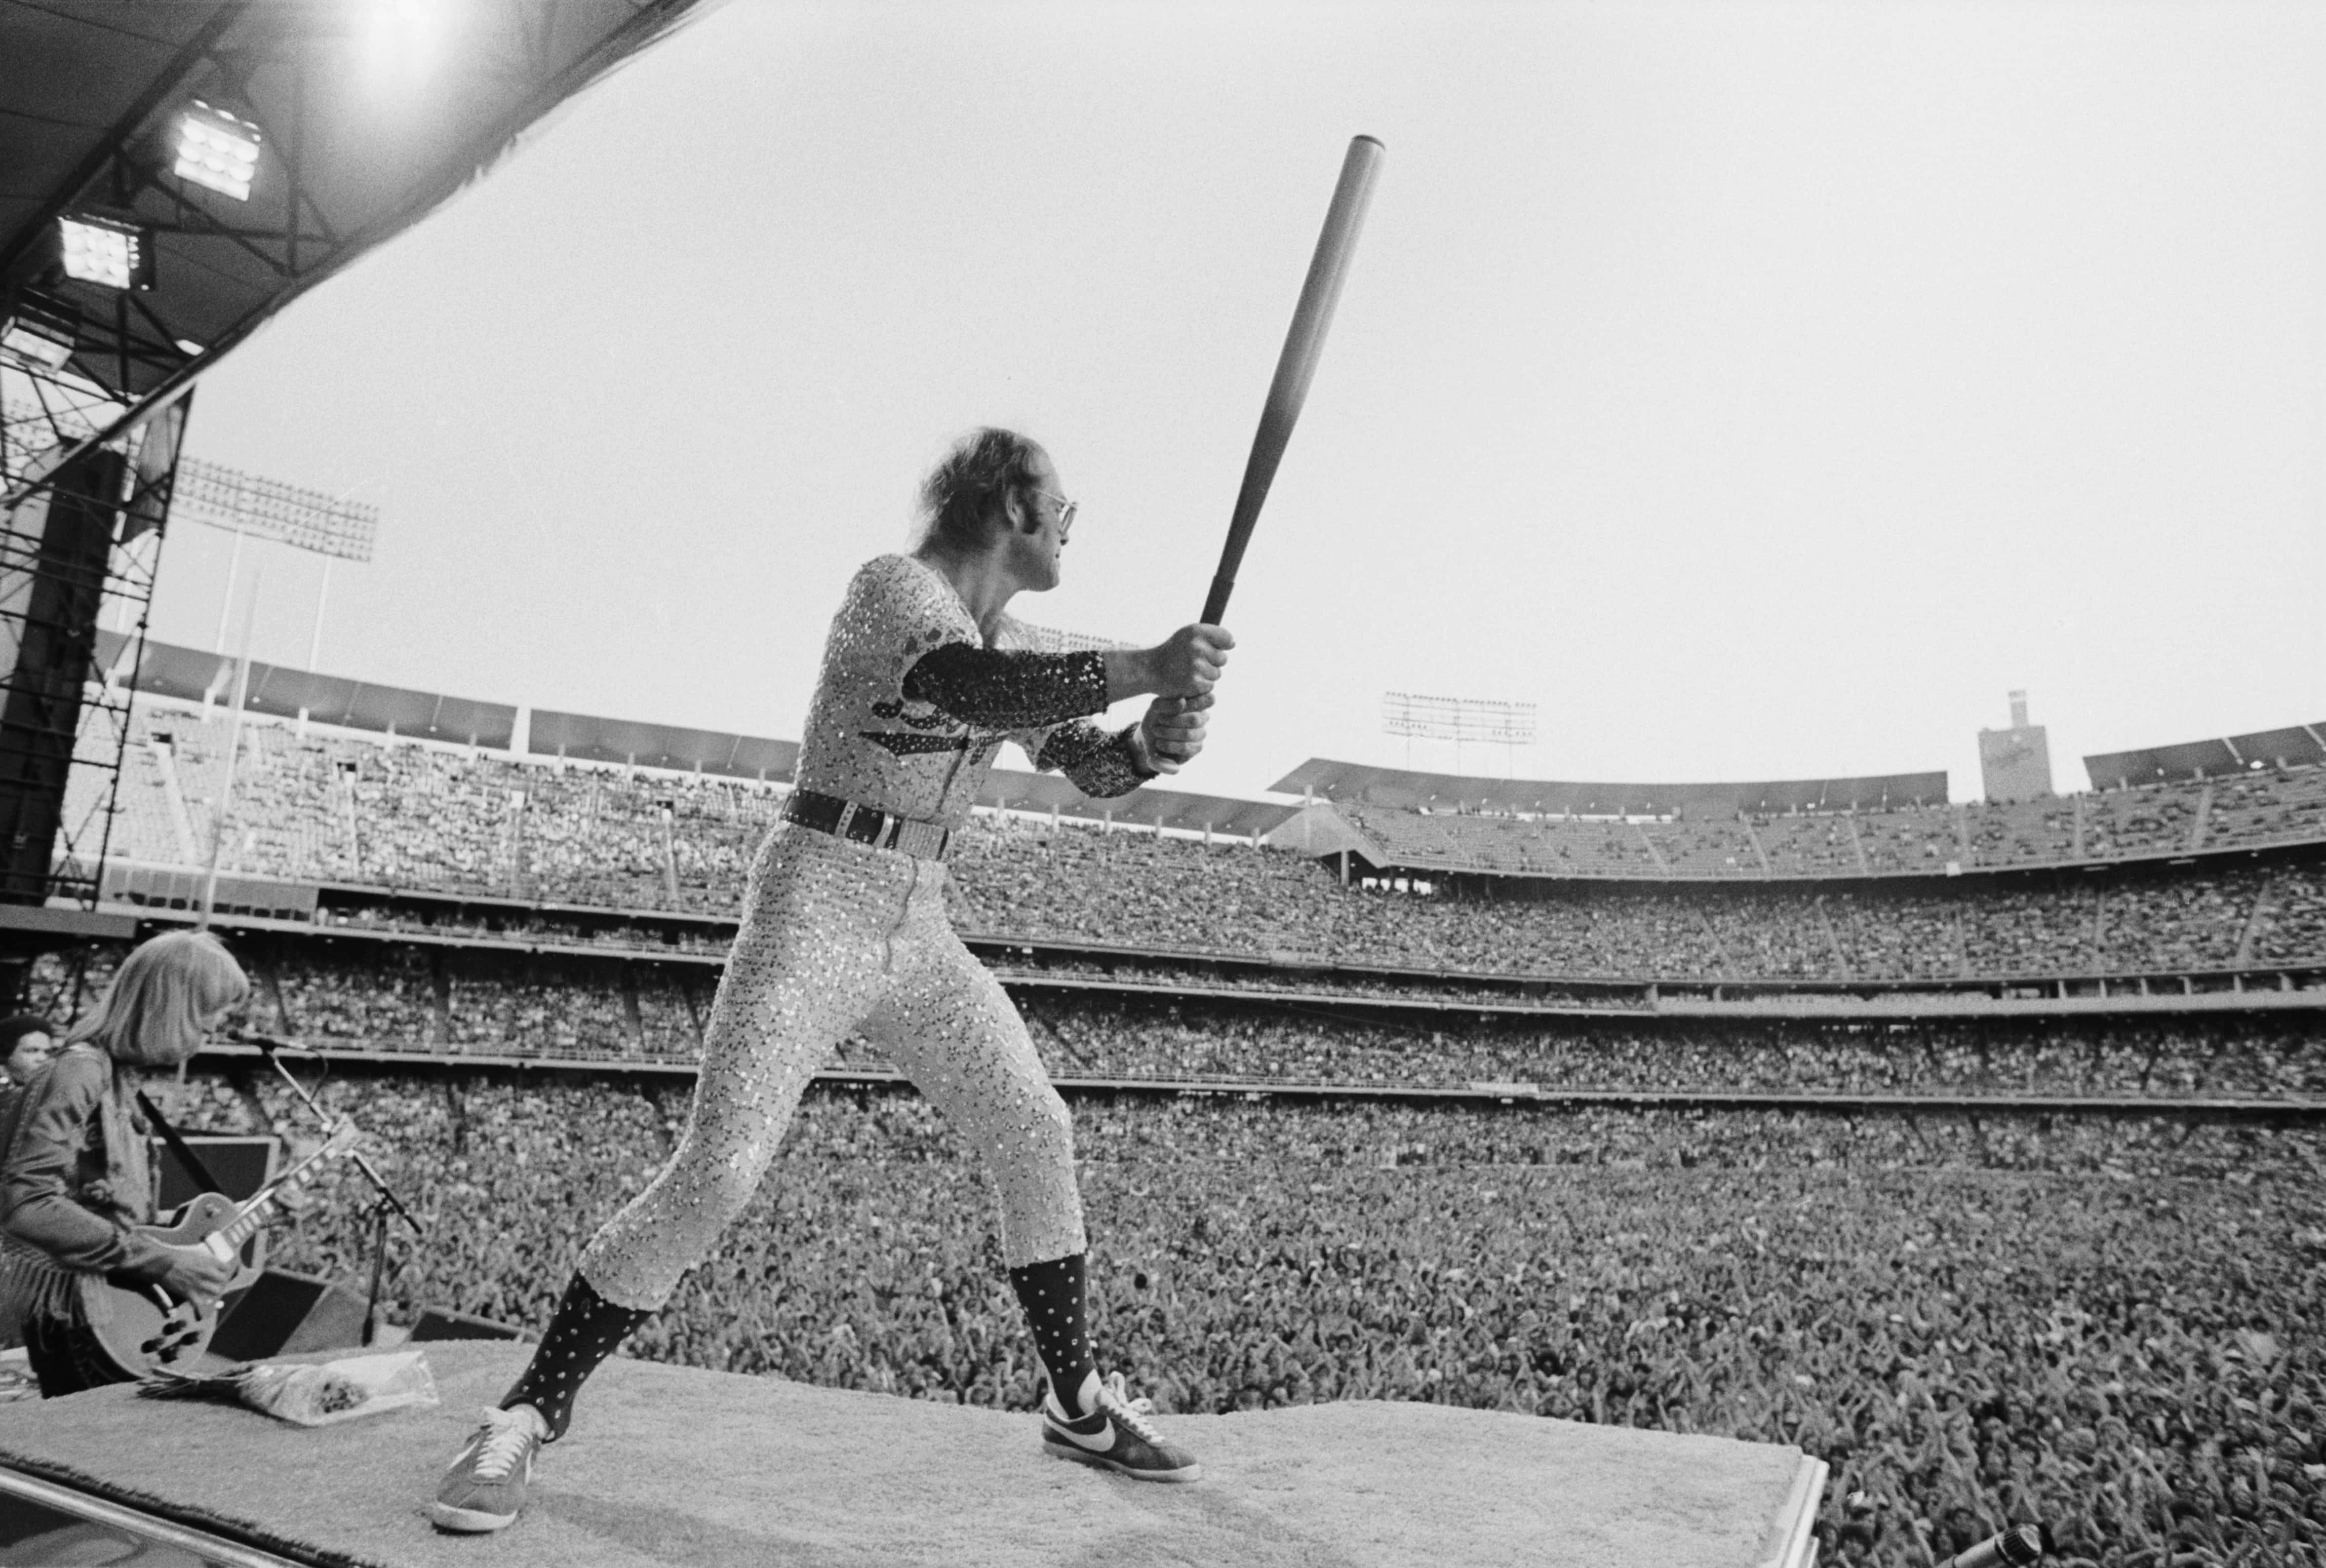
57	1187
912	703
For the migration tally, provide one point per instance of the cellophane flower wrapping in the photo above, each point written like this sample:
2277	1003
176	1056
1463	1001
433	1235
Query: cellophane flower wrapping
342	1390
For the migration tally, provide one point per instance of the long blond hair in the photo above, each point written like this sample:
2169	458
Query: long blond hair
153	1014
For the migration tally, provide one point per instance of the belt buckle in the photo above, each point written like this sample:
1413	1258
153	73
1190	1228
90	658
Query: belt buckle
924	839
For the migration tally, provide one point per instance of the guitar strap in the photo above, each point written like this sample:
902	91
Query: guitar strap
189	1160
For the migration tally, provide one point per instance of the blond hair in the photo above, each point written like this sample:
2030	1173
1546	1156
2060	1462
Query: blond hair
972	483
154	1013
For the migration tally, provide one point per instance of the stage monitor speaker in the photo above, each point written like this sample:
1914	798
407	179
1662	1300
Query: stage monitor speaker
438	1323
241	1163
287	1314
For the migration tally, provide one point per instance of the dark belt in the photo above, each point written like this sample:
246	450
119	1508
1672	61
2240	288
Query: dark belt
864	825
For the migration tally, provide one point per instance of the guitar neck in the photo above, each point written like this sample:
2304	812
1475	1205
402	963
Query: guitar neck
228	1239
243	1226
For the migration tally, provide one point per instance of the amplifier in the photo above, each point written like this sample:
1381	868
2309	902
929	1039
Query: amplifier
285	1314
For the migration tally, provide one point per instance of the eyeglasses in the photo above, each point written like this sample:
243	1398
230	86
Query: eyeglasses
1067	509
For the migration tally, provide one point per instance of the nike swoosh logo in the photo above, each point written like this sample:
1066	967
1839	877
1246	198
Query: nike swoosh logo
1099	1444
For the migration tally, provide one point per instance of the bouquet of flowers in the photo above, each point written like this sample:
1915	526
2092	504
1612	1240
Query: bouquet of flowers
308	1395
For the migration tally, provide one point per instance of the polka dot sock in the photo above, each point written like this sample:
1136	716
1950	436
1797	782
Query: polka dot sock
1053	1295
586	1330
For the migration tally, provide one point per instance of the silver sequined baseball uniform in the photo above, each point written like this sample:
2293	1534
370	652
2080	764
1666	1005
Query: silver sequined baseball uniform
838	937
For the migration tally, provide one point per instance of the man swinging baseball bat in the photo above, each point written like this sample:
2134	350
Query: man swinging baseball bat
845	927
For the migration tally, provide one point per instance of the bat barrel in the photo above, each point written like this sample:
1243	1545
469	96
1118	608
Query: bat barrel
1297	366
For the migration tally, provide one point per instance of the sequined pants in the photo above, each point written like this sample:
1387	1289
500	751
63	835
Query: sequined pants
838	938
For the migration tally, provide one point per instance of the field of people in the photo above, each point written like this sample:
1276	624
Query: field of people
2110	1323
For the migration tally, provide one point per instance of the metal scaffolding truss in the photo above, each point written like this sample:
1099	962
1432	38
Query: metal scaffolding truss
43	417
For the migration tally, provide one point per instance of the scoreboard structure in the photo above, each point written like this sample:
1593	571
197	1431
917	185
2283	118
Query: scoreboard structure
2015	764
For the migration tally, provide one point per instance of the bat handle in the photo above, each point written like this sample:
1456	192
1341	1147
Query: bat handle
1216	604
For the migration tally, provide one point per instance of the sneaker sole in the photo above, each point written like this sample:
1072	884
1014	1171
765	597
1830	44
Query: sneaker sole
1101	1461
468	1521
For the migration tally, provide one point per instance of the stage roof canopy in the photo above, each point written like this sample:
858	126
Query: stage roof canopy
629	740
368	116
192	676
2297	746
1148	808
1397	787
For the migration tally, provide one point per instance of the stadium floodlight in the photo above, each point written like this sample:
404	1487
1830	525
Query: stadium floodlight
109	252
217	151
41	330
1457	719
238	503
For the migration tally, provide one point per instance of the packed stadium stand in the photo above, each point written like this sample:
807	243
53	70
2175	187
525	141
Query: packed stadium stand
2167	819
399	897
2159	881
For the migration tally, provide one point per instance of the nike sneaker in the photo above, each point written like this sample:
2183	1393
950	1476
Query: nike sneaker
484	1490
1114	1434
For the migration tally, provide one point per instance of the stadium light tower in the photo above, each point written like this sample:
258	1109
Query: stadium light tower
246	504
1458	720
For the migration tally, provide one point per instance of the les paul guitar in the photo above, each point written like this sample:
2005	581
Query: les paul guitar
138	1328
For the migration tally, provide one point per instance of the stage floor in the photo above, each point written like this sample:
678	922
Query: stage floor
667	1465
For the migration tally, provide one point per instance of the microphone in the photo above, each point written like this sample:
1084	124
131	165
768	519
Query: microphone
2021	1544
267	1044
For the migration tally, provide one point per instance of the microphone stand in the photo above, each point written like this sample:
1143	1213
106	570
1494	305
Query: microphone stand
383	1203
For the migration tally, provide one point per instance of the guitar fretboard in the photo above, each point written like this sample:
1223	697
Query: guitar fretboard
227	1240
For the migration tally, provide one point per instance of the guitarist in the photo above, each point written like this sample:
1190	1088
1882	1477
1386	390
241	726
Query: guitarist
73	1172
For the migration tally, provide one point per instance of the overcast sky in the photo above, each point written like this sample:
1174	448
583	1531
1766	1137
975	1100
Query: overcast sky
1760	390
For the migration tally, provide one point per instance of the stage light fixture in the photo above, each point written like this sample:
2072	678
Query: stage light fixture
217	151
41	330
108	252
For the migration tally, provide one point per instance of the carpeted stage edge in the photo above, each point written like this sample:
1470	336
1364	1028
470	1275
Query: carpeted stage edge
667	1465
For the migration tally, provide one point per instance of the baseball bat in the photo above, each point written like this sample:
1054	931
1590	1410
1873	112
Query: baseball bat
1297	366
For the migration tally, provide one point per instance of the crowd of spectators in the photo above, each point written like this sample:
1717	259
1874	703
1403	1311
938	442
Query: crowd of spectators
331	806
450	1002
2108	1323
1291	925
584	858
2259	1056
337	807
1196	976
2265	806
1022	880
526	926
